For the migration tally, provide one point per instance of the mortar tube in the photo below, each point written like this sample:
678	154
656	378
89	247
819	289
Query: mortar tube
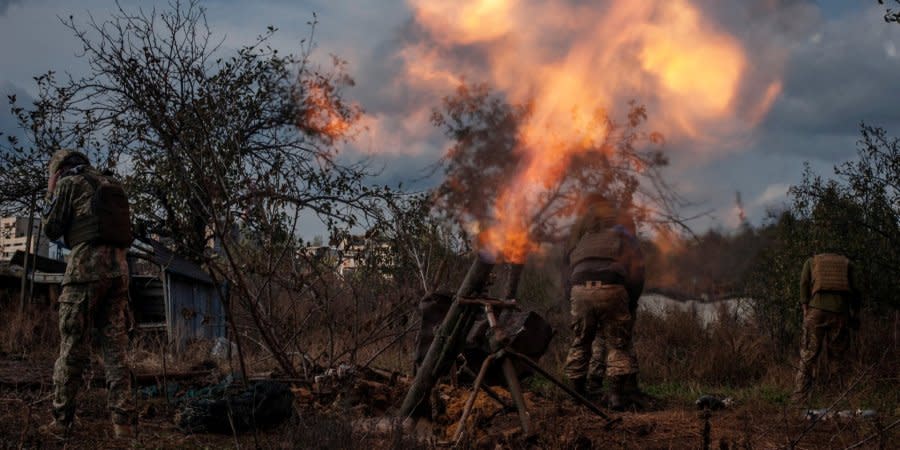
476	279
512	281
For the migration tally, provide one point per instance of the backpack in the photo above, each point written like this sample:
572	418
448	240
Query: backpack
829	273
110	220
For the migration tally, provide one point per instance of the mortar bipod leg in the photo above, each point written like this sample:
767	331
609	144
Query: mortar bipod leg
461	428
509	370
578	397
490	391
515	390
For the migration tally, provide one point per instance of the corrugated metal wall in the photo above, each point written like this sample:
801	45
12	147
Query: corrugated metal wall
195	310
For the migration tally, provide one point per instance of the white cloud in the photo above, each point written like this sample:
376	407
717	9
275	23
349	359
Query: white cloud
773	193
890	49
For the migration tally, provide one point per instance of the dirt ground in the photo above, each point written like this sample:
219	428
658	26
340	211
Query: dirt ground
332	418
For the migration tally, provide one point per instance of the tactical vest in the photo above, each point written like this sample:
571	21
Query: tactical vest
830	273
109	221
604	244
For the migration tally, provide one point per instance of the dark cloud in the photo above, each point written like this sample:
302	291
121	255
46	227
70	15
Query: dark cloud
383	86
761	177
5	4
839	68
838	64
414	174
842	73
380	70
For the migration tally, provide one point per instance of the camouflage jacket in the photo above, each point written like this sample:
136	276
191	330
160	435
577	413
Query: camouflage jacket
87	262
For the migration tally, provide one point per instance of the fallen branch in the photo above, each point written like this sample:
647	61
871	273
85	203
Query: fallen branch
880	432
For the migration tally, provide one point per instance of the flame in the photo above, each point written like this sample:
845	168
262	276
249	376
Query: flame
323	115
669	245
571	60
467	22
680	54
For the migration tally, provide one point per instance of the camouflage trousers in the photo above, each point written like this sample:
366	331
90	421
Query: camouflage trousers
95	313
824	333
602	325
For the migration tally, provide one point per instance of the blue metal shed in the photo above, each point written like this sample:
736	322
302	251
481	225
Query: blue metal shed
173	294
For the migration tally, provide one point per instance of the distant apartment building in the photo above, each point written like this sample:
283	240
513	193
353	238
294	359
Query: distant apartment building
359	251
351	254
14	235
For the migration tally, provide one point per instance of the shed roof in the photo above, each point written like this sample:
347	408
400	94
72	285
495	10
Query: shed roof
146	248
42	263
156	252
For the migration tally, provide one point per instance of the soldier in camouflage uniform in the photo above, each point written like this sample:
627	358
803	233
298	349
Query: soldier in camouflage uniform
830	302
93	303
605	279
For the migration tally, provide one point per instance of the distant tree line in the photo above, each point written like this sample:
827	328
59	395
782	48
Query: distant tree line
856	212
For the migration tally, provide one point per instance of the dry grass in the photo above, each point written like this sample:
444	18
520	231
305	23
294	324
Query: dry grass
680	359
34	332
678	347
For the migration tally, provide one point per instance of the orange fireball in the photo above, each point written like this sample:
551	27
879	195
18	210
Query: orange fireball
571	63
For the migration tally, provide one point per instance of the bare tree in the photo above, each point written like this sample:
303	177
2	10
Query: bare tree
192	126
485	129
891	16
216	146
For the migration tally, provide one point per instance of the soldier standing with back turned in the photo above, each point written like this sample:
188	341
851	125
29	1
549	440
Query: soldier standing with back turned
830	301
90	211
605	272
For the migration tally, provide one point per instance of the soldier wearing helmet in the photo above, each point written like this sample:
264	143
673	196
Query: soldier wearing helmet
605	278
89	211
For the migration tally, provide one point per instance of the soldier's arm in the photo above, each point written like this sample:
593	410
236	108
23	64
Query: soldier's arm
635	267
58	213
574	235
564	269
566	280
568	247
640	268
805	282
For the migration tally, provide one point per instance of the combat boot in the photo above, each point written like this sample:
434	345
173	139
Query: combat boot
616	396
57	430
580	386
633	395
595	388
123	431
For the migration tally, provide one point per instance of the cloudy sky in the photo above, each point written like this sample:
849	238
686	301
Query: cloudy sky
835	61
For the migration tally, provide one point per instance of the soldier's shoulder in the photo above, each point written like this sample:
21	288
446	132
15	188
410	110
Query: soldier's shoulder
77	182
69	182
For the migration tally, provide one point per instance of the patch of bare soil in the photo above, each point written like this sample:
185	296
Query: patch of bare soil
567	425
327	414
